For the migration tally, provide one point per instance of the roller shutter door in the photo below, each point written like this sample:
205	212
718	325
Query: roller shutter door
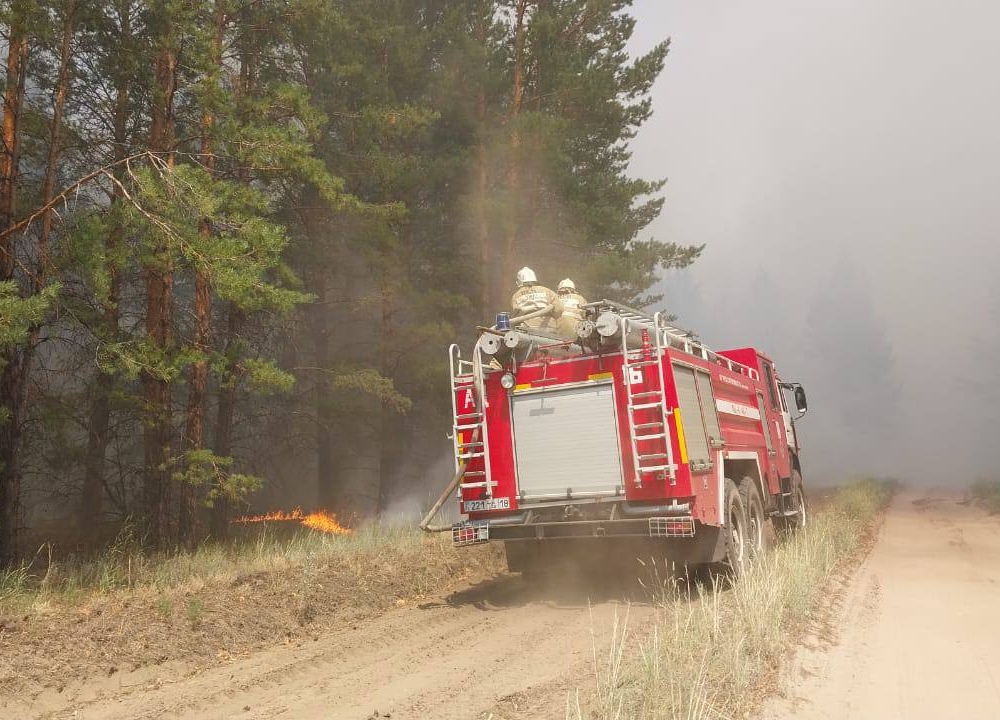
566	442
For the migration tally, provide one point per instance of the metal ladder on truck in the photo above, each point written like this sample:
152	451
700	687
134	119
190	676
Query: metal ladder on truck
650	439
469	429
652	453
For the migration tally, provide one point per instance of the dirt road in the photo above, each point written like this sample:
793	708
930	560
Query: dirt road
916	633
500	648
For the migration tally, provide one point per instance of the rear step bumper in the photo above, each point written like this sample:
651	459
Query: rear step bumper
474	532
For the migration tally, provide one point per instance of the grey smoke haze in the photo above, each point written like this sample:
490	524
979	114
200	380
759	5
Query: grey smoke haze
841	160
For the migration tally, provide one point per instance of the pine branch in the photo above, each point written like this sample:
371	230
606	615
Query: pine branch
63	195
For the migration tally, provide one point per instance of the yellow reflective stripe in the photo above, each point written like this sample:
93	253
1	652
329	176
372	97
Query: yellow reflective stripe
680	435
600	376
523	386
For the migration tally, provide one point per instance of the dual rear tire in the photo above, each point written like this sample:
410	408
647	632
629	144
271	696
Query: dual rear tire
744	533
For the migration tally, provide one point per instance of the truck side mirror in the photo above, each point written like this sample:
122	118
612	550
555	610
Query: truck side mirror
800	400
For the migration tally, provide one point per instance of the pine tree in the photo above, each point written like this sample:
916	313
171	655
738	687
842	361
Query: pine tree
24	259
247	232
113	52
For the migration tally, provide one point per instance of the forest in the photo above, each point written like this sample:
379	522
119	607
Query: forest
238	236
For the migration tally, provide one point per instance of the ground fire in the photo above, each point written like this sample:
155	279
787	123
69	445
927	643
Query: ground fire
321	520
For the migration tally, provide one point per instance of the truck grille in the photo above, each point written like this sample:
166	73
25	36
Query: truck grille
681	526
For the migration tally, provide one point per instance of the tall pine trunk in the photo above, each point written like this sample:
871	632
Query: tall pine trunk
49	180
100	404
514	168
328	493
12	384
390	420
225	411
159	319
482	227
58	103
226	408
194	431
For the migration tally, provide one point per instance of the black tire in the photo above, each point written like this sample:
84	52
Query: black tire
784	526
757	538
734	533
534	573
520	555
527	557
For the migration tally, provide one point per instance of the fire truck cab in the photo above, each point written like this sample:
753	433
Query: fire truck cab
633	435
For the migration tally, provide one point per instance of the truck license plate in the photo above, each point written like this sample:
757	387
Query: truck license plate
491	504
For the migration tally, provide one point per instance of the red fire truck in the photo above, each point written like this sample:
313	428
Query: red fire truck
633	433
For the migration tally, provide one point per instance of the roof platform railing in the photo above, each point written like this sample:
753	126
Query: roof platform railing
686	340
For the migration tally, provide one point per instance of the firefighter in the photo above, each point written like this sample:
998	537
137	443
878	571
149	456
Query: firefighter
531	296
572	306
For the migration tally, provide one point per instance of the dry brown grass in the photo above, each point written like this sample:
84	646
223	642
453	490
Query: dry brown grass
126	609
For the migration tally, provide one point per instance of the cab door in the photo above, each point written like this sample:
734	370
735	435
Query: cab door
774	415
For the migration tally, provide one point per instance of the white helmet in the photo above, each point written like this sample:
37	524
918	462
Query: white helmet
567	285
526	276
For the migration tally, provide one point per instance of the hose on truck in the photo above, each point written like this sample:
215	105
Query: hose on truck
459	474
477	364
555	308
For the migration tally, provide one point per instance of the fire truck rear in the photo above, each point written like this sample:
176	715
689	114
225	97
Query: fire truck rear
633	436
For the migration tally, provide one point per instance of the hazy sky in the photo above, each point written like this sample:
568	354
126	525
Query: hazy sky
830	153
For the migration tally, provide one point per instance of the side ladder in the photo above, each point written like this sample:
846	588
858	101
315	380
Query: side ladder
650	439
468	428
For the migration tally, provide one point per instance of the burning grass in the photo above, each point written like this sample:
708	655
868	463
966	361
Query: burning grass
320	520
711	657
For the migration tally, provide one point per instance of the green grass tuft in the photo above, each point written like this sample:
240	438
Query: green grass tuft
986	493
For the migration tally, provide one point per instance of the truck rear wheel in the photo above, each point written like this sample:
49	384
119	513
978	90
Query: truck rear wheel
537	561
756	535
523	556
734	533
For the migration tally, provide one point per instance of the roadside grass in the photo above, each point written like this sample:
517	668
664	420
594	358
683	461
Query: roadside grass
710	656
986	493
126	608
365	561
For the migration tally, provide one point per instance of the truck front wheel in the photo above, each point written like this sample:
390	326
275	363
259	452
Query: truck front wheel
797	516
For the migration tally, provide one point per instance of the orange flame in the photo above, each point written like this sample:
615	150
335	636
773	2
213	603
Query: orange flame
324	521
320	520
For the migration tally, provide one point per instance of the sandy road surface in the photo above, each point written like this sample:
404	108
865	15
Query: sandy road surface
501	648
916	633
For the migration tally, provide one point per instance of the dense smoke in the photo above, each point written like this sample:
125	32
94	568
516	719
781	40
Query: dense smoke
840	161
